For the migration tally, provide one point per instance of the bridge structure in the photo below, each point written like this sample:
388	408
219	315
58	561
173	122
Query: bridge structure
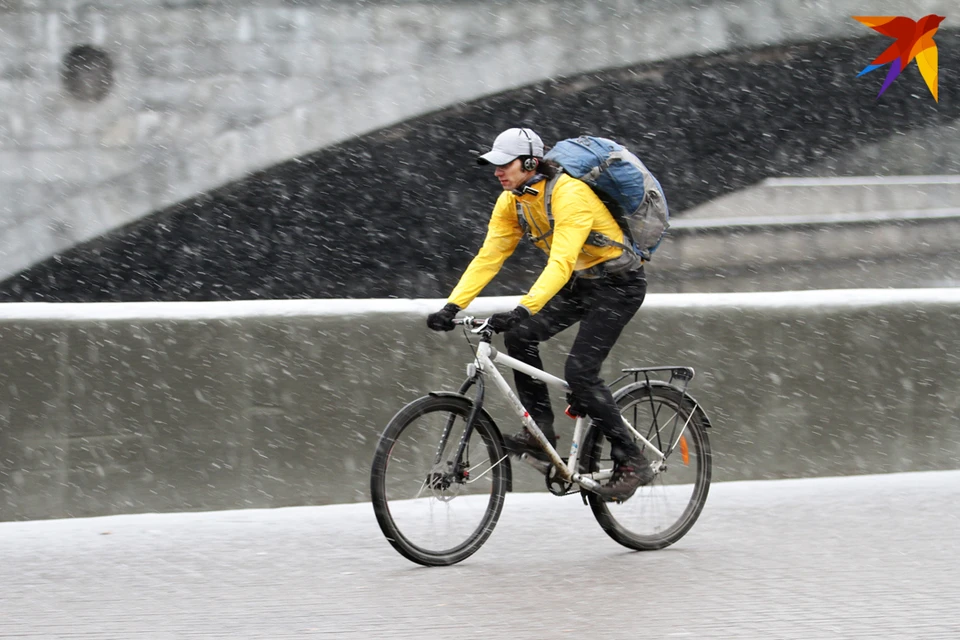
115	110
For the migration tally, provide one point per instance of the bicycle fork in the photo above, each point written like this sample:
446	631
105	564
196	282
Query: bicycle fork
462	456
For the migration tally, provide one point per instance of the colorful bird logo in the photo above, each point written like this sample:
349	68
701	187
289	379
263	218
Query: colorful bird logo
914	40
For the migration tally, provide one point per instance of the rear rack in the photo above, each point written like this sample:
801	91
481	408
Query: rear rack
683	374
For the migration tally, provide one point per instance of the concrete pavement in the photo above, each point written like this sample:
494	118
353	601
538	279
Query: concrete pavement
855	557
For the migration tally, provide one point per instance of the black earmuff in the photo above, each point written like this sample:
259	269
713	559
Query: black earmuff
531	163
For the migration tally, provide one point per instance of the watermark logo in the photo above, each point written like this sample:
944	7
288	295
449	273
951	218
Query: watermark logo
914	40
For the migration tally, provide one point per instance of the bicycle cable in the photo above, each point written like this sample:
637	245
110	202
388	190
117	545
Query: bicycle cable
466	335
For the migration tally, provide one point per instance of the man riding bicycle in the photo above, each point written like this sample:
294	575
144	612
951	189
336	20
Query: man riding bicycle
601	287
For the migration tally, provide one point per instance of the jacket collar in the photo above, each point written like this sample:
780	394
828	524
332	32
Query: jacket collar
528	188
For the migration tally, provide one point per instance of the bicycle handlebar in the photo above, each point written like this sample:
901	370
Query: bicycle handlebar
470	321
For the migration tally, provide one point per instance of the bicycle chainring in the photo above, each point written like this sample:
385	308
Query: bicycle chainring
556	484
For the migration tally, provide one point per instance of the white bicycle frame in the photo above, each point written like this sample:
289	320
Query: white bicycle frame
487	355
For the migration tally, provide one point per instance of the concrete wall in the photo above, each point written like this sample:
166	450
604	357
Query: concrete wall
202	93
119	408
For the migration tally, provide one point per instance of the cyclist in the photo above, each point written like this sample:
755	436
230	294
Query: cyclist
601	287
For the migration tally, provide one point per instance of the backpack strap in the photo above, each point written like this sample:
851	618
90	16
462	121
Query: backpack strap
597	239
547	197
525	226
593	174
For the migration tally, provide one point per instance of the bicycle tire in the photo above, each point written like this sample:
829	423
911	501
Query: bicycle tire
630	523
410	522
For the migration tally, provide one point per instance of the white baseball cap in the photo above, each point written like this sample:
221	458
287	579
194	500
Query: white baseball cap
511	144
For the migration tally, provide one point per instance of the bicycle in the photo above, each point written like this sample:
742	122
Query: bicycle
440	472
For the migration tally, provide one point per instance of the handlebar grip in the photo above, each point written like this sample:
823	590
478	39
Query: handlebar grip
469	321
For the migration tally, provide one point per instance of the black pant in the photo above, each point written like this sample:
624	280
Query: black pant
603	306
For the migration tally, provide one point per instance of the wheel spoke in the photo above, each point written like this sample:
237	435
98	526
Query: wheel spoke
422	487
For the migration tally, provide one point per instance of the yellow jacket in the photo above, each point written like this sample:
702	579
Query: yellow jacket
576	212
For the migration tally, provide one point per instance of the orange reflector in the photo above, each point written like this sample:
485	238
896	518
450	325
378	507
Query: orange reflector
684	450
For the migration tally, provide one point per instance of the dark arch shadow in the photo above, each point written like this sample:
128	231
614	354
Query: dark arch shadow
399	212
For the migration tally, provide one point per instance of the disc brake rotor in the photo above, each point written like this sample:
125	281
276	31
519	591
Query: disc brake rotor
443	482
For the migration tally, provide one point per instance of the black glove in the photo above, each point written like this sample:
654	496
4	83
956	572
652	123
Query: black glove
443	320
501	322
575	408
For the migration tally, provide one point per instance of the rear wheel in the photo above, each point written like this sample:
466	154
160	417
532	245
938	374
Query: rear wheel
434	509
660	513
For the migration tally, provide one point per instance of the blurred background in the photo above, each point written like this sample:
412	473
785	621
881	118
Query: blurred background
207	150
302	153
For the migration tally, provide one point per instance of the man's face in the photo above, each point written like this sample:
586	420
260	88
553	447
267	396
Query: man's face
512	176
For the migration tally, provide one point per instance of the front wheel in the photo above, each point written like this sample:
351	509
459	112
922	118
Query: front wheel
660	513
433	508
